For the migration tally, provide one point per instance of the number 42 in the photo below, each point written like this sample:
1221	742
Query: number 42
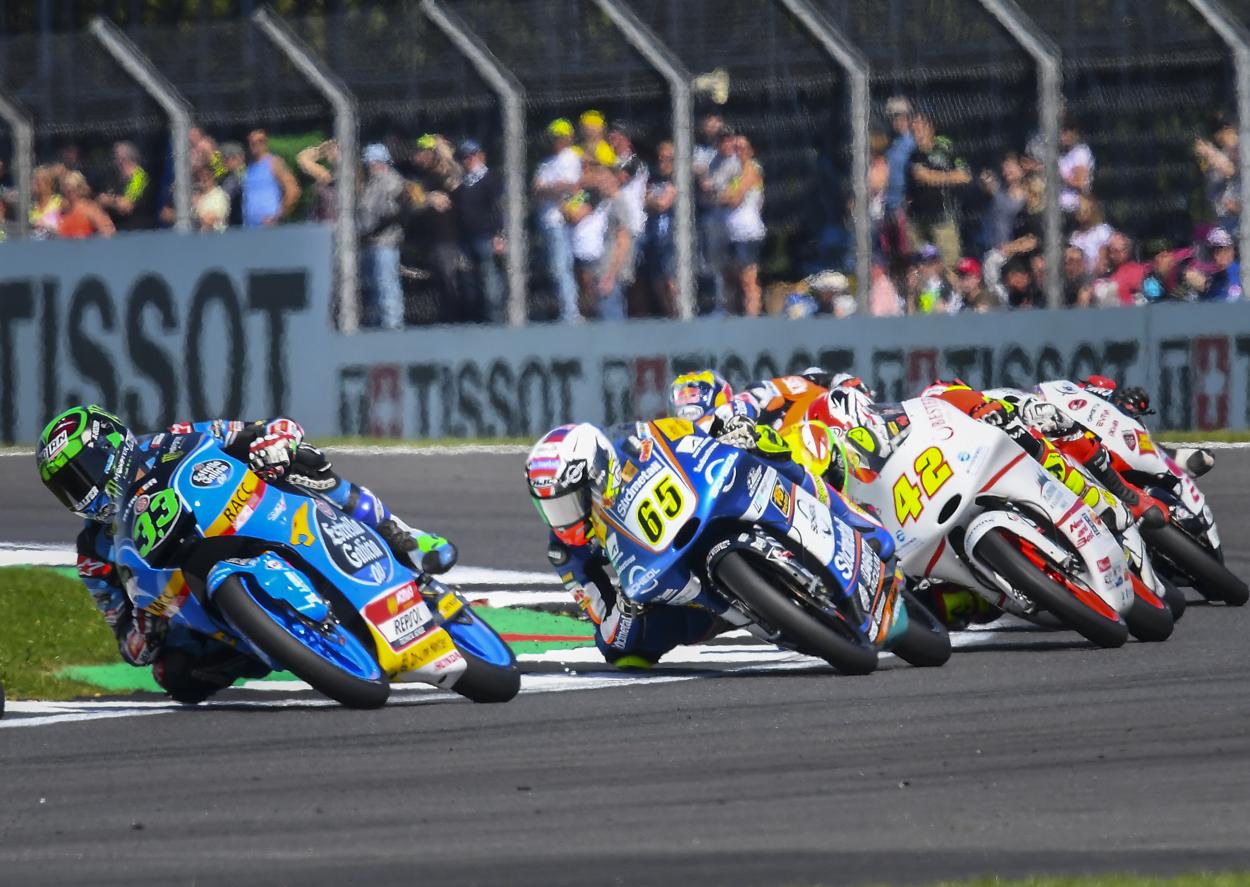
934	472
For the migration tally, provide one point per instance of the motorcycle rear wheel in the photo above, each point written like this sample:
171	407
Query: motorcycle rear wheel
254	621
784	613
1010	563
1211	578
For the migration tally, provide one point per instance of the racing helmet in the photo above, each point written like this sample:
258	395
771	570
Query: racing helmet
85	456
940	386
565	470
842	408
695	395
814	446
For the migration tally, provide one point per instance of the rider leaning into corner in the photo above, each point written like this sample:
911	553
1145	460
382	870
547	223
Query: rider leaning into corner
573	464
90	460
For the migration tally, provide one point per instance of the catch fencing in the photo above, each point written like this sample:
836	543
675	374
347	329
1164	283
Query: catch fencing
807	80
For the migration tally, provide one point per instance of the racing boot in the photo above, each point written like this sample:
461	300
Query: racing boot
958	607
426	552
1196	461
1148	511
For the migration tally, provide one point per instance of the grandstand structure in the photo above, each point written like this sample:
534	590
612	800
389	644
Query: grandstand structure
1142	79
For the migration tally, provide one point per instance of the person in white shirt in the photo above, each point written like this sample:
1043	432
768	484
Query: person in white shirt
558	177
1076	167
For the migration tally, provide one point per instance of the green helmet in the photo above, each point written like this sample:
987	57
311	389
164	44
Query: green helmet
85	457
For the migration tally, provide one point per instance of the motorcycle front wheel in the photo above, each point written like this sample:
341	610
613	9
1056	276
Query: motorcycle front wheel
925	643
788	616
1041	582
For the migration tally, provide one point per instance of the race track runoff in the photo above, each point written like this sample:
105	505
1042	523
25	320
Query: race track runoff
1028	754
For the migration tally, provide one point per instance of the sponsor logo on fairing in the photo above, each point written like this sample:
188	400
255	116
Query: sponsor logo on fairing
1082	530
352	547
212	473
846	555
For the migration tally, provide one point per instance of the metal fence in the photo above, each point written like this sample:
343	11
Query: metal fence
807	81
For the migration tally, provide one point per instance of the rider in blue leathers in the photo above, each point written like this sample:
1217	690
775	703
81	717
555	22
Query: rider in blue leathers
89	459
564	470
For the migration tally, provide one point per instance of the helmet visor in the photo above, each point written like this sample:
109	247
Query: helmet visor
567	514
78	483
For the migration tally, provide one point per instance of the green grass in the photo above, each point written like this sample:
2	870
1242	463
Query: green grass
1224	435
48	622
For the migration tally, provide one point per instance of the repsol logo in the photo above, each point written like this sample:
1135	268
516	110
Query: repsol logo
142	350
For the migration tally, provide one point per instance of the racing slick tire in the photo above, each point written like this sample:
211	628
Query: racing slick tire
484	682
926	643
1210	577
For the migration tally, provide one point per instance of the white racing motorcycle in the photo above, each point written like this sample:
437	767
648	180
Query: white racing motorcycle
1187	551
966	505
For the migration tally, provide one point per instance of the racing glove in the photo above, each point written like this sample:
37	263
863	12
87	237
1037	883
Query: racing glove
734	431
270	454
1045	417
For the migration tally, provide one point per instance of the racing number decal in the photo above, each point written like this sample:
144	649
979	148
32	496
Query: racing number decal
933	471
665	502
153	524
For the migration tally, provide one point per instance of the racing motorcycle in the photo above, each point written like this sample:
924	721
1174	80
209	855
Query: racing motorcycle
1187	550
295	583
968	506
698	523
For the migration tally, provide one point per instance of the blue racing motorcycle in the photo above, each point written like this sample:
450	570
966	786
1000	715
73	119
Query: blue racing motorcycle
294	582
693	522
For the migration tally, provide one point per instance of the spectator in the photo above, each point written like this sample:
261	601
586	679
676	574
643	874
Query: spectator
878	179
633	174
710	226
46	206
232	181
744	224
270	191
593	144
659	256
1008	197
1022	288
1218	161
1077	281
1162	283
1224	280
971	293
320	163
438	176
204	152
130	198
210	207
724	168
1120	269
615	270
586	216
1091	234
1076	166
380	209
557	179
479	210
898	158
1026	235
929	291
883	295
82	216
708	138
933	173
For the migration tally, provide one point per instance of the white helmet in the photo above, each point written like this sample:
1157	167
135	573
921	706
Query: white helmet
564	470
842	408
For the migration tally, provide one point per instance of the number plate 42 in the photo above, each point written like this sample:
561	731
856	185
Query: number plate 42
910	497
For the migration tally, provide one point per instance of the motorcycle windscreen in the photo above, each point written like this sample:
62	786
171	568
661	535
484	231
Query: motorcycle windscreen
567	514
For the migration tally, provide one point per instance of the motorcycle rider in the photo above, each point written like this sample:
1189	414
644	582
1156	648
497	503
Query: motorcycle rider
89	460
570	468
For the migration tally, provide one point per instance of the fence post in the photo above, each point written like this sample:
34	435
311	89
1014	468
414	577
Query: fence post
855	64
668	66
1238	39
1048	58
346	134
512	97
18	120
132	60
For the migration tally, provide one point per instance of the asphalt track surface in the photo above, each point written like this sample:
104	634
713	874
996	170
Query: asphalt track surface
1013	759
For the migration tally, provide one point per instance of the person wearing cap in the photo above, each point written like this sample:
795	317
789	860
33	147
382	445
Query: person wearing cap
897	156
929	291
557	179
970	292
590	127
1224	279
434	224
479	211
379	218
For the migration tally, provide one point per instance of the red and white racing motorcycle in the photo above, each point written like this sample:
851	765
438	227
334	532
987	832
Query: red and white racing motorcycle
1187	551
966	505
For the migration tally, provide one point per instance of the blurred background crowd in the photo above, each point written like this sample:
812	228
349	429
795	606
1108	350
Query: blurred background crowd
1148	164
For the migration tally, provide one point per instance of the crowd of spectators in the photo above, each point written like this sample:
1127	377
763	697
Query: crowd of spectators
930	256
945	238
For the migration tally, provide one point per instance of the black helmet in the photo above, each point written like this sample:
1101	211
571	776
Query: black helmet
85	456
